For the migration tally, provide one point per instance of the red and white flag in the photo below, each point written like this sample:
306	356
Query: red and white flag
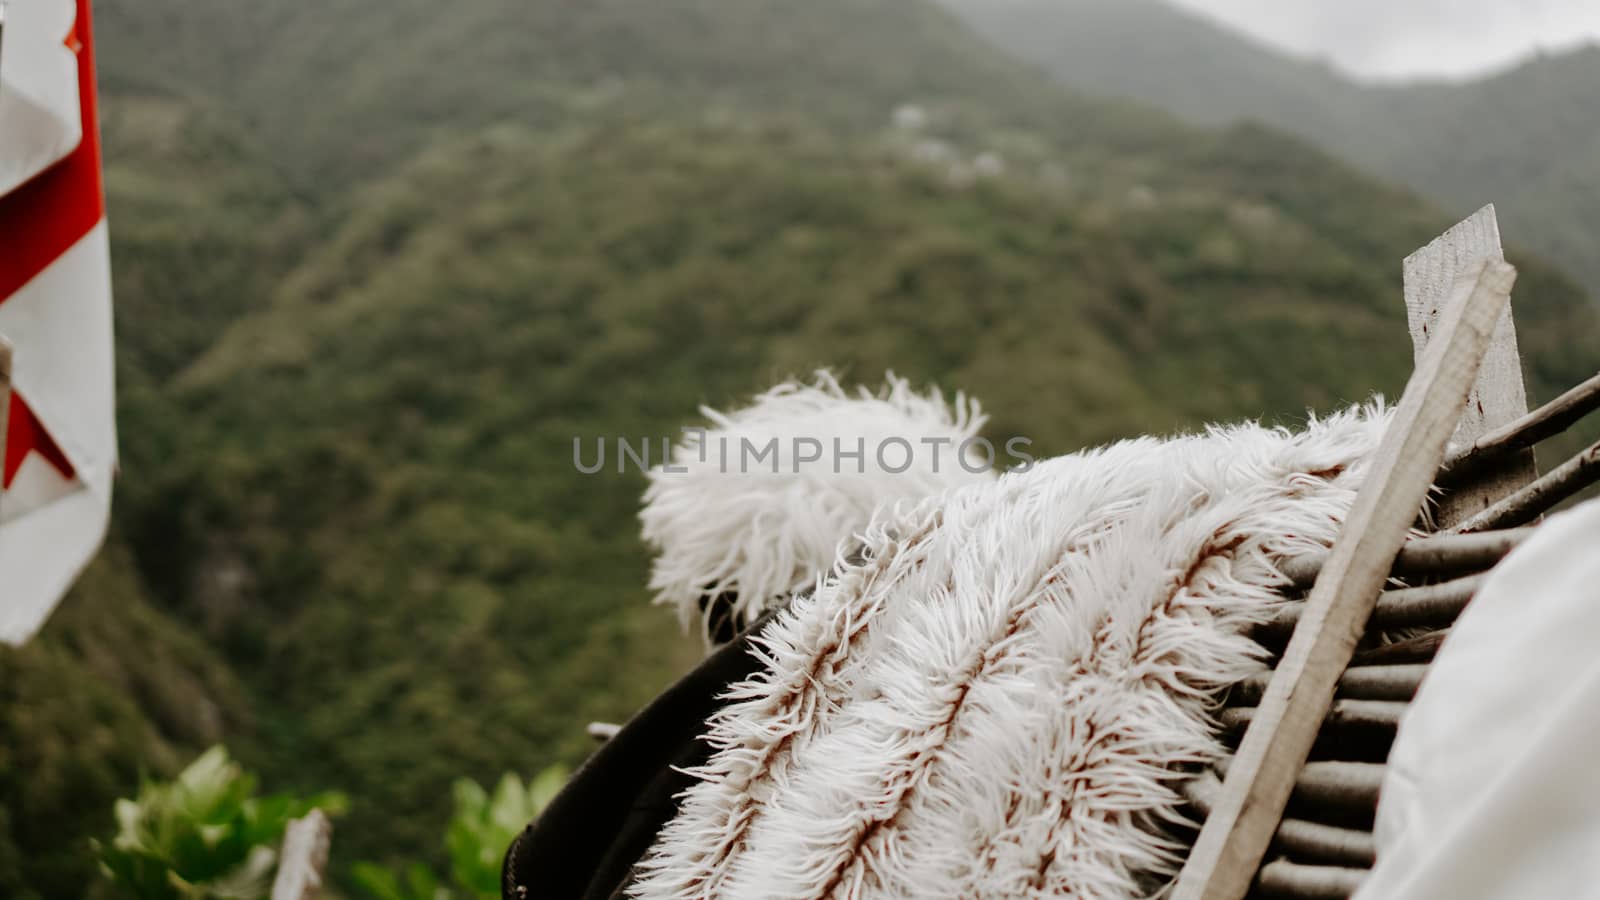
55	310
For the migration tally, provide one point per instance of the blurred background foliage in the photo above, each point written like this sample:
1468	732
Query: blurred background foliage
377	264
476	838
207	835
204	836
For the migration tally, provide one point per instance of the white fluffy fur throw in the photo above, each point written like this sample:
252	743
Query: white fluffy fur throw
1000	699
726	516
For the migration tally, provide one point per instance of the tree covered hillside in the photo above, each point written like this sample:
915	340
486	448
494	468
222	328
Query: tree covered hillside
343	88
1527	139
367	302
117	685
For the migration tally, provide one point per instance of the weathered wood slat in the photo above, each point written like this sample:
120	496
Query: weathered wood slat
1346	785
1419	649
1300	882
1399	682
1432	604
1309	841
1342	714
1534	500
1425	556
1315	842
1240	828
1545	422
1498	396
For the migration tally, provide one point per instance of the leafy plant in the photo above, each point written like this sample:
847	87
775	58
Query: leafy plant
417	882
482	828
204	836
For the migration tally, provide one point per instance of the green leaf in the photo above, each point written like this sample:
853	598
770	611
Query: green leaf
203	836
484	826
378	882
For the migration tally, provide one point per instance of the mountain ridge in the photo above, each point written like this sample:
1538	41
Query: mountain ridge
1523	138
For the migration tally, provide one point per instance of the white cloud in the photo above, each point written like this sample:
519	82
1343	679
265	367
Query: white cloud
1407	38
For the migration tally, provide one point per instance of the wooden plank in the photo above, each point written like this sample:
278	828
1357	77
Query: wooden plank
1350	785
1322	843
1428	604
1293	880
1384	714
1499	397
1364	683
1298	837
303	858
1545	422
1426	556
1274	749
1419	649
1534	500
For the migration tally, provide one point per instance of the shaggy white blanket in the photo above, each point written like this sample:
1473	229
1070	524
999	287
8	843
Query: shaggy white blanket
756	505
1000	700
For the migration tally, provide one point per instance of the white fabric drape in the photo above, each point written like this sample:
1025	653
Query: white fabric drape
1493	788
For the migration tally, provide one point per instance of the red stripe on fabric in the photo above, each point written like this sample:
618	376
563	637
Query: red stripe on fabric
25	434
48	215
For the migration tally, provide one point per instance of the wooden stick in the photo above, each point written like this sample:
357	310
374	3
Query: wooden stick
1398	682
1419	649
1545	422
304	857
1425	556
1341	714
1432	604
1316	842
1309	840
1306	839
1498	396
1286	879
1534	500
1351	785
1236	835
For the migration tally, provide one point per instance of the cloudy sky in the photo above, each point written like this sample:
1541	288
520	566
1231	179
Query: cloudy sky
1379	39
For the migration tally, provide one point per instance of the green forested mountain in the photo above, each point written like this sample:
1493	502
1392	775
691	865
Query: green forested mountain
1155	52
115	687
343	88
1527	139
118	685
379	264
200	213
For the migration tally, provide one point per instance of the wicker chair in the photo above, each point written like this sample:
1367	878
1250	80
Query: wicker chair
1323	846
